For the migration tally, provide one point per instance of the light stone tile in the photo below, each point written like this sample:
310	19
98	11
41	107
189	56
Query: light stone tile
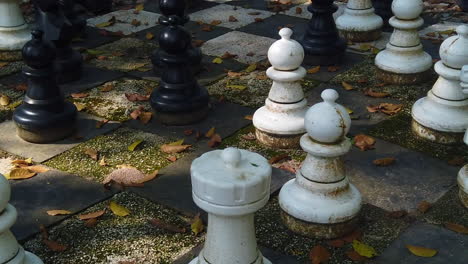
124	20
240	44
304	13
440	29
223	12
380	44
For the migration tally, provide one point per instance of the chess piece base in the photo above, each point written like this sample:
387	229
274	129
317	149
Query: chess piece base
399	78
14	38
45	135
463	185
69	68
361	36
183	118
198	260
25	257
278	141
326	231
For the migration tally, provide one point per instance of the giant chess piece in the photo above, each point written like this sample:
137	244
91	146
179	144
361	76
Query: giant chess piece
176	8
14	31
463	174
280	123
322	43
179	99
44	115
404	60
321	202
359	23
10	251
442	116
230	185
60	25
383	8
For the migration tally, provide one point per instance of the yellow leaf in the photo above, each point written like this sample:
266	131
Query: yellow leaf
349	110
313	70
217	61
177	143
94	52
3	64
422	251
104	24
58	212
139	7
447	32
210	132
237	87
134	145
4	100
365	47
347	86
118	209
251	68
79	106
20	174
364	250
197	225
27	161
149	36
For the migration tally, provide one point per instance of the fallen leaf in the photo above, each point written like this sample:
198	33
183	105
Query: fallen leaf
172	158
148	177
397	214
54	246
177	143
364	250
27	162
145	117
22	87
58	212
149	36
102	57
174	149
298	10
217	60
118	209
447	32
215	141
93	154
4	100
3	64
424	206
169	227
457	228
90	222
232	19
228	55
364	142
215	22
313	70
252	67
278	158
365	47
100	123
206	28
134	97
355	235
188	132
249	136
210	132
386	108
103	162
258	19
353	255
139	7
38	169
135	114
347	86
91	215
197	225
79	106
457	161
288	167
20	174
254	13
333	68
384	162
319	255
135	22
108	23
336	243
135	144
371	93
248	117
421	251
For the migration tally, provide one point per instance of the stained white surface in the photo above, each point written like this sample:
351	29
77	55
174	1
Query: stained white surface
124	20
359	16
14	32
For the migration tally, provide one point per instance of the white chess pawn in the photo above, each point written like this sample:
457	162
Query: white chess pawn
442	116
230	185
280	123
359	23
321	202
404	60
14	31
463	174
10	251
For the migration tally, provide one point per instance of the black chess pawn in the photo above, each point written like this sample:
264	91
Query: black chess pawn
44	115
322	43
176	8
179	99
60	25
383	8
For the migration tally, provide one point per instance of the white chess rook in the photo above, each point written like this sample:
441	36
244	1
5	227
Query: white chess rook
10	251
280	123
404	60
321	202
463	174
230	185
14	31
359	23
442	116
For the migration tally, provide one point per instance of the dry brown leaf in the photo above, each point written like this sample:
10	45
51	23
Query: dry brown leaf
355	235
197	42
371	93
288	167
91	222
134	97
258	19
347	86
166	148
3	64
103	162
234	74
22	87
424	206
364	142
228	55
319	255
91	215
384	162
20	174
54	246
457	228
313	70
92	153
38	169
457	161
135	114
169	227
58	212
149	36
233	19
336	243
298	10
333	68
278	158
172	158
206	28
215	22
145	117
79	95
248	117
135	22
126	176
26	162
215	141
249	136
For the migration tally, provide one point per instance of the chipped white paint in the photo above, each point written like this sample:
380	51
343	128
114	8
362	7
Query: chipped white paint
244	16
359	16
301	11
285	107
240	44
14	32
124	18
445	108
10	251
230	185
404	53
321	192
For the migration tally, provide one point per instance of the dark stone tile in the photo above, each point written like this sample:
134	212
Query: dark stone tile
86	129
153	6
271	26
51	190
451	246
268	5
413	178
431	47
94	37
324	75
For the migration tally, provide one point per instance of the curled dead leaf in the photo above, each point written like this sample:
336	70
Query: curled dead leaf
457	228
93	154
424	206
166	226
20	174
364	142
249	136
384	162
313	70
421	251
91	215
371	93
319	255
215	140
166	148
58	212
347	86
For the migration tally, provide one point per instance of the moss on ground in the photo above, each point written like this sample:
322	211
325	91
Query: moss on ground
129	239
126	54
398	131
378	229
114	105
11	56
147	157
11	67
447	209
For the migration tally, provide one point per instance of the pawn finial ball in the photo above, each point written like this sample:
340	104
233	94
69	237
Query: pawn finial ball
462	31
231	157
37	52
407	9
286	54
453	51
329	96
5	192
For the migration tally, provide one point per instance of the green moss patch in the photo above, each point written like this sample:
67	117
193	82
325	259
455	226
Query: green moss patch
11	55
398	131
127	54
11	67
447	209
119	239
114	105
15	99
147	157
378	230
